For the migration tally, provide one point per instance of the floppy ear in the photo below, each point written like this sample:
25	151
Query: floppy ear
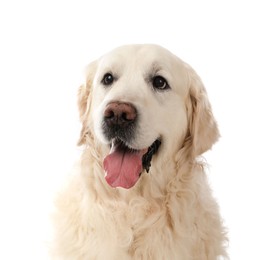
84	100
202	125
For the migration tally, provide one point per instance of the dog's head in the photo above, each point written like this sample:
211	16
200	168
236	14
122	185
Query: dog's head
139	100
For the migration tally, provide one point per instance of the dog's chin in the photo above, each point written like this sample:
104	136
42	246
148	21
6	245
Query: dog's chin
124	165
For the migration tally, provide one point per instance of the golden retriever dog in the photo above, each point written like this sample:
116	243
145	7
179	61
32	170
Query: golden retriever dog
140	190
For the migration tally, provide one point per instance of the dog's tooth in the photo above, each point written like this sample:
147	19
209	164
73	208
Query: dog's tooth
112	149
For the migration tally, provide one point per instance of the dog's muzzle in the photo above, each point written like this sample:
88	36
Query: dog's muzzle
124	164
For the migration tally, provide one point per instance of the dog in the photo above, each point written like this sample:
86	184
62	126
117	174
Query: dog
140	190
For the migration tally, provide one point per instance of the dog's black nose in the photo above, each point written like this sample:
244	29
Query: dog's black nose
120	114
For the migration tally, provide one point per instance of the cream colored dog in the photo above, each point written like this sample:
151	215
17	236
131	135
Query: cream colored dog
139	191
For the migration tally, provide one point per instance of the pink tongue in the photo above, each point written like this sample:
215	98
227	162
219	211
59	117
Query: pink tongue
123	168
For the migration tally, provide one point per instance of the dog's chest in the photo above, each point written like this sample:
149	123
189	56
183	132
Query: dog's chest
129	222
138	230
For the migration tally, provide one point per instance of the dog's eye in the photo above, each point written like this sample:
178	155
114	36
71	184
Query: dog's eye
108	79
160	83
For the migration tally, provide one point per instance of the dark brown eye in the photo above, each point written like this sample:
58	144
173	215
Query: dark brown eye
108	79
160	83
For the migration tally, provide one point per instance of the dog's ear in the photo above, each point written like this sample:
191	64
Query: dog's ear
203	128
84	100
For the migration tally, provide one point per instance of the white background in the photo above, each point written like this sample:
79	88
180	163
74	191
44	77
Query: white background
44	46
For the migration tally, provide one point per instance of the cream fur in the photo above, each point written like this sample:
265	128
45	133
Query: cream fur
170	213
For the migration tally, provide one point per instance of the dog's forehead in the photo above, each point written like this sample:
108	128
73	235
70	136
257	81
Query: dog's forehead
140	56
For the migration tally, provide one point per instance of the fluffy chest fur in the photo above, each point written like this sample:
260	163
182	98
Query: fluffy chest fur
180	222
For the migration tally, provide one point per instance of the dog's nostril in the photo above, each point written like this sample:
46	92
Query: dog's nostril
125	117
109	113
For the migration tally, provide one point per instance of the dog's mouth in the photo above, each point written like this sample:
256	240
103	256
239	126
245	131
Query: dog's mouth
124	165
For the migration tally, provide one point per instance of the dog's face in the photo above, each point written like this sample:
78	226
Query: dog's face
140	83
138	101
